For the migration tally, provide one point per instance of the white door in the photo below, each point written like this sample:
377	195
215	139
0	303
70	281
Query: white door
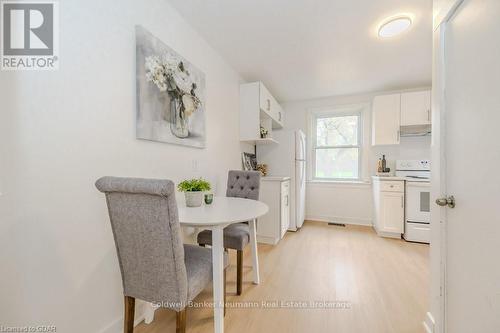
392	212
416	108
386	120
467	82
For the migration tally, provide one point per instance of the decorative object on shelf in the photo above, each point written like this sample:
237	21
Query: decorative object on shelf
209	198
262	168
193	190
263	132
249	161
170	94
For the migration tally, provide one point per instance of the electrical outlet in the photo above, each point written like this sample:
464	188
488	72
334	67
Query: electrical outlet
194	165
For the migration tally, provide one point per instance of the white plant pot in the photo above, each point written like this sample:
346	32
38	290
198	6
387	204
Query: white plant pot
194	199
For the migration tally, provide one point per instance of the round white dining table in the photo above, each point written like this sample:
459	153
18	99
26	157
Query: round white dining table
216	216
223	211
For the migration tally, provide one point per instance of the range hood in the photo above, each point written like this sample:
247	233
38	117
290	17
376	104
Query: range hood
415	130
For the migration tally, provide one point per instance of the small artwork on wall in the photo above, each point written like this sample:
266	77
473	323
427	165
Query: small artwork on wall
170	94
249	161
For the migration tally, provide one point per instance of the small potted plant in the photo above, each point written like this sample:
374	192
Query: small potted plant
193	190
263	132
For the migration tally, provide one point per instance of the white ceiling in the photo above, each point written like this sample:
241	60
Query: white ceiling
305	49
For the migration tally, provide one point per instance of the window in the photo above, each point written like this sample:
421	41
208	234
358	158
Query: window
337	146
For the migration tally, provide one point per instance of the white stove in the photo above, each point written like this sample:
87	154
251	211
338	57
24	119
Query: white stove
418	169
417	203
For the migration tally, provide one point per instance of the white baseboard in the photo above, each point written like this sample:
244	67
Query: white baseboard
339	219
267	240
429	323
117	325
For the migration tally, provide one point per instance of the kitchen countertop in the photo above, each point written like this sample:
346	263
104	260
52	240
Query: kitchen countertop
275	178
395	178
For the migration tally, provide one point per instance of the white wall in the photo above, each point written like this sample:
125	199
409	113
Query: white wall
350	203
60	131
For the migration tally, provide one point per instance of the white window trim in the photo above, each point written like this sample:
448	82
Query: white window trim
360	110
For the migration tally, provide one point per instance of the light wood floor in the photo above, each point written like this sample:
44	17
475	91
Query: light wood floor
385	281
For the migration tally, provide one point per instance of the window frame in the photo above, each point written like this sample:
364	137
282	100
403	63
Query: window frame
337	113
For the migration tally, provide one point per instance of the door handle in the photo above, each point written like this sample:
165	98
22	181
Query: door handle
429	115
449	201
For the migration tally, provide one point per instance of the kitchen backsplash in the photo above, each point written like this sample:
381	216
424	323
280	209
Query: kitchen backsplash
410	148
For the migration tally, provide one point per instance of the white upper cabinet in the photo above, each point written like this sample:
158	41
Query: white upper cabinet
270	106
265	98
258	108
416	108
278	114
386	113
396	115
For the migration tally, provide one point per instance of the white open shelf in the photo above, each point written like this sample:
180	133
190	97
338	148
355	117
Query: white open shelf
261	141
258	111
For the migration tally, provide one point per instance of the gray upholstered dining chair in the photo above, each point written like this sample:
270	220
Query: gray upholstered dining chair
241	184
155	264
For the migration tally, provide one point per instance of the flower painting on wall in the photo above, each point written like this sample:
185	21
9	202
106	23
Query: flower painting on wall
170	94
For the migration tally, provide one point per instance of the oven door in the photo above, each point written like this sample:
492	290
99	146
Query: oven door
418	202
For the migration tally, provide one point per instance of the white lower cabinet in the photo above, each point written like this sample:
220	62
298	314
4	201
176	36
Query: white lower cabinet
389	205
275	193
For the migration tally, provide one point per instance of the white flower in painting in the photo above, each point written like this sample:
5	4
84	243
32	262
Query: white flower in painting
171	62
189	104
155	72
170	74
183	81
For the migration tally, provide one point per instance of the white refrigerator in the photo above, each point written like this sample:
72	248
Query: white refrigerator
288	158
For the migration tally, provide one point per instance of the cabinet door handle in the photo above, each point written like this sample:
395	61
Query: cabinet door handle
429	115
399	136
279	115
286	200
268	105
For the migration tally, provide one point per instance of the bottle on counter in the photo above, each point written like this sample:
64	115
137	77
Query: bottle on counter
384	164
379	166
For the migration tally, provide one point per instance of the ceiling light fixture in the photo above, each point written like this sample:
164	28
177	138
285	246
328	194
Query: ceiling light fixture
394	26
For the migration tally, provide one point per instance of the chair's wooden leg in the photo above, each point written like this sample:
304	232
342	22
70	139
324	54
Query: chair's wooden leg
225	281
181	321
128	326
239	272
